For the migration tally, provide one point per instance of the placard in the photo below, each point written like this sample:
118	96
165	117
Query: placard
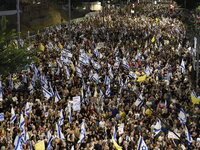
76	103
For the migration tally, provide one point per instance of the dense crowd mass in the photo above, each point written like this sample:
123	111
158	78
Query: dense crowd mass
130	73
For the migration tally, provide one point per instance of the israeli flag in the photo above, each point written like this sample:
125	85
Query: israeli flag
28	108
147	71
66	60
69	112
59	63
25	78
57	96
18	143
13	116
111	73
59	132
45	111
132	75
107	80
157	127
1	116
61	118
88	91
79	72
21	122
82	95
49	140
188	136
35	71
10	81
67	53
67	72
101	95
141	144
46	93
182	66
1	93
114	133
83	132
95	77
30	88
95	64
108	90
182	116
43	80
120	81
51	90
125	63
84	59
96	52
139	102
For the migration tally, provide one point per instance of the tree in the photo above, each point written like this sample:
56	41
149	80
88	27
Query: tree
189	4
13	57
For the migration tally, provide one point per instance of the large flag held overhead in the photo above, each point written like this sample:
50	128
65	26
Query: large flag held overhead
139	102
57	96
83	132
182	116
28	108
13	116
107	80
18	143
46	93
157	127
141	144
108	90
21	122
194	98
142	78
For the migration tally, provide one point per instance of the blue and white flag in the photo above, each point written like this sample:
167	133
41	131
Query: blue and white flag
188	136
21	122
59	132
95	77
25	80
30	88
18	143
84	59
67	72
1	91
69	113
139	102
132	75
114	133
79	72
57	96
182	116
46	93
35	71
182	66
1	116
43	80
95	64
125	63
66	60
51	90
82	96
28	108
120	81
10	81
147	71
141	144
83	132
13	116
50	138
107	80
157	127
111	73
101	95
96	52
108	90
117	63
61	118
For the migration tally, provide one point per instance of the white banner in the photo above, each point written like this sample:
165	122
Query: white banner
76	103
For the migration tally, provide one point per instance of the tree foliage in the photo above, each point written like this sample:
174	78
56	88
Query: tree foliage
13	58
190	4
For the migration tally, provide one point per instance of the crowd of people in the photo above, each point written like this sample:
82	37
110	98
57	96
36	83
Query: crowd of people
130	72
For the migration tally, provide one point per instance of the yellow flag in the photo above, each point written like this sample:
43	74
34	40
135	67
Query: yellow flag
60	45
116	145
142	78
156	20
194	98
40	145
153	39
41	47
148	112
